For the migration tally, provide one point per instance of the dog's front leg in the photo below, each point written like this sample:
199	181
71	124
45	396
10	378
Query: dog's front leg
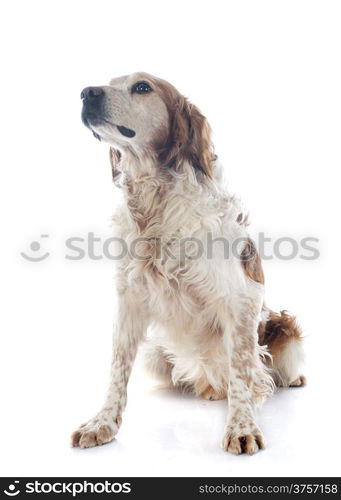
249	382
129	330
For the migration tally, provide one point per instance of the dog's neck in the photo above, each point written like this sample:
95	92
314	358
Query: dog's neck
150	190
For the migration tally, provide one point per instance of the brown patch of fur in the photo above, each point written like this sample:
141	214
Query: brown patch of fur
278	331
189	134
251	262
243	219
212	395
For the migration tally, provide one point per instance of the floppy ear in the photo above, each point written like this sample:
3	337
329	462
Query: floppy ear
200	150
115	158
189	138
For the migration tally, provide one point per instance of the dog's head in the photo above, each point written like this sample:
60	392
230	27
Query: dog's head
148	116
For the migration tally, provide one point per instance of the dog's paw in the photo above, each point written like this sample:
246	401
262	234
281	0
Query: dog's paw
299	382
248	441
212	395
96	432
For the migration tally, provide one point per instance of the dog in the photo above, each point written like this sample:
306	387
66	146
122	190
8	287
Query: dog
209	330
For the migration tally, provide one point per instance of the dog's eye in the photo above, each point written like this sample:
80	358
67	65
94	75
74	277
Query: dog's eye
141	88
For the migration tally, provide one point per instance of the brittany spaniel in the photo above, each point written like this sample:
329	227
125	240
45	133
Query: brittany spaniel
191	286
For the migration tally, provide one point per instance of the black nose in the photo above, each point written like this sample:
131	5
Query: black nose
92	93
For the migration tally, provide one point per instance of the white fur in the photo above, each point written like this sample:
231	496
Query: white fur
288	363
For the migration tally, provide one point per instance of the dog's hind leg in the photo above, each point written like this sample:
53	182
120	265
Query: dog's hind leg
283	337
159	366
278	331
156	362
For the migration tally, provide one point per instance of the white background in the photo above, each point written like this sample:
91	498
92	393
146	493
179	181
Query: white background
267	75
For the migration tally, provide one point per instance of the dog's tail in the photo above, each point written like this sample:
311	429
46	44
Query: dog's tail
282	335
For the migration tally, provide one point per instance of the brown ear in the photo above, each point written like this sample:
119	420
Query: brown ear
200	151
189	138
115	158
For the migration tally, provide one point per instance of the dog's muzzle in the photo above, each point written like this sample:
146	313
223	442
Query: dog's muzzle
92	112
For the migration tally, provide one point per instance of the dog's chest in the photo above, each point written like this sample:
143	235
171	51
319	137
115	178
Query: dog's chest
169	261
